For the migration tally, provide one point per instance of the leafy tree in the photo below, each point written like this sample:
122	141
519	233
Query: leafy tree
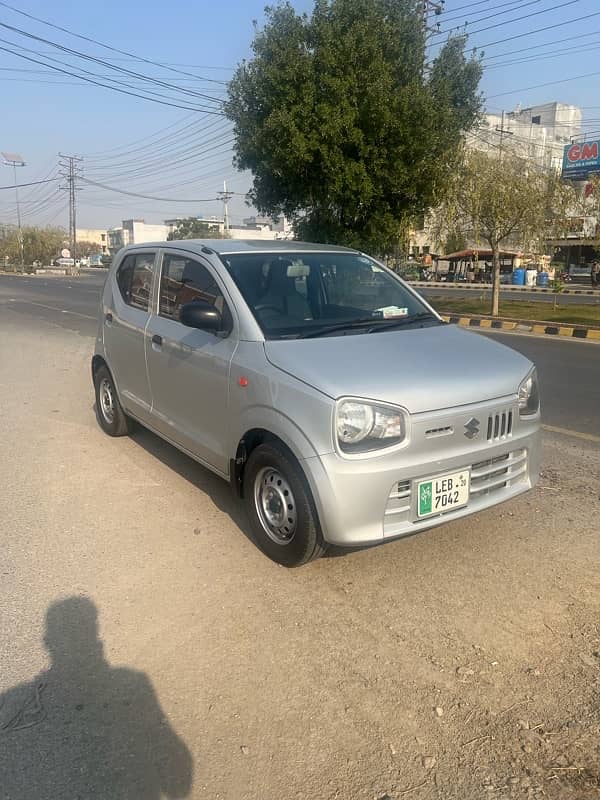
345	130
504	200
192	228
39	244
85	248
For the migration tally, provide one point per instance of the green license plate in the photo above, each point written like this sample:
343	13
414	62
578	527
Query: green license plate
443	493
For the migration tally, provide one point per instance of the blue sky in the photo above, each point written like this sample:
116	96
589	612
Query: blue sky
46	112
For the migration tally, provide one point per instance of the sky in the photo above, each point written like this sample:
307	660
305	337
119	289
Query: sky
534	51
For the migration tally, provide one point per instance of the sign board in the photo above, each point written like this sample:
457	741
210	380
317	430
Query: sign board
65	253
581	159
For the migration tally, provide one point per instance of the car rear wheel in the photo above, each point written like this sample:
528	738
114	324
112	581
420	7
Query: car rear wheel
113	420
280	508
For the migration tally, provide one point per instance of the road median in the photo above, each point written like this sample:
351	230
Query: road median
586	332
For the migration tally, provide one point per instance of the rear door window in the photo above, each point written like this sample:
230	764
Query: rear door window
134	278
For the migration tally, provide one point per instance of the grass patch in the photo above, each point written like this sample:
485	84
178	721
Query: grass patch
566	314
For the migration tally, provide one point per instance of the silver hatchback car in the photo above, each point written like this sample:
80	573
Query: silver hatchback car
338	404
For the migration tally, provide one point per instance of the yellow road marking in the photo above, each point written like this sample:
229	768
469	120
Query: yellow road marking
588	437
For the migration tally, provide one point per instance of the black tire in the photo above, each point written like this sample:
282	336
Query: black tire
272	472
109	411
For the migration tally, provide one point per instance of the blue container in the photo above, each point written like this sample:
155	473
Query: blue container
518	277
542	279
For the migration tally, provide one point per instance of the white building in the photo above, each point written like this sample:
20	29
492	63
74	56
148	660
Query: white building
135	231
539	133
97	236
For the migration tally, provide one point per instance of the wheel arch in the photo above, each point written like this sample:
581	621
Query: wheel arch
251	439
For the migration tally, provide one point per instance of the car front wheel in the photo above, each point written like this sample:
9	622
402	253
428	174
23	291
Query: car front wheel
280	507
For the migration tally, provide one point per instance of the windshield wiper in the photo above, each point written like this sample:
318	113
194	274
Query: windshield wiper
337	326
375	323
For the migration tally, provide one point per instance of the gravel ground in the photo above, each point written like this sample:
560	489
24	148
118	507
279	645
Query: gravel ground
460	664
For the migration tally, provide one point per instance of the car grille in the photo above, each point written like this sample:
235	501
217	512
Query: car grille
497	473
487	477
499	426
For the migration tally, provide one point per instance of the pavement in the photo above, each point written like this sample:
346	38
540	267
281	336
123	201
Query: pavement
148	649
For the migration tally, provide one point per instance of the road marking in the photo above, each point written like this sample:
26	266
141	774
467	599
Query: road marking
53	308
588	437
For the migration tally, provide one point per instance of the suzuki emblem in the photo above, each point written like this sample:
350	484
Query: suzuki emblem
472	428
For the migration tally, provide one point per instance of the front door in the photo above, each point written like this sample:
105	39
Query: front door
189	368
126	315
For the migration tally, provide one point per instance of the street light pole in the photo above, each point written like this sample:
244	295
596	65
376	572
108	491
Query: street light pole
14	160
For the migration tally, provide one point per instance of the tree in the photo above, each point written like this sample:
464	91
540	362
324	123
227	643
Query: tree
39	244
192	228
344	129
503	199
85	248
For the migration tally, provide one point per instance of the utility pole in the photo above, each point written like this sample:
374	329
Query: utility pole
502	130
71	170
14	160
225	196
429	9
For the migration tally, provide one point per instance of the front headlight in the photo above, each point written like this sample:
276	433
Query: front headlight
361	427
529	395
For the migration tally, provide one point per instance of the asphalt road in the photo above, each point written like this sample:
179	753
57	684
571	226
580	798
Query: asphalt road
534	297
149	650
569	370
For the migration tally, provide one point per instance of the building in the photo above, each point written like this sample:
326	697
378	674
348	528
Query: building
538	133
97	236
135	231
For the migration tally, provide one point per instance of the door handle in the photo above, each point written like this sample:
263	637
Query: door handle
157	340
108	318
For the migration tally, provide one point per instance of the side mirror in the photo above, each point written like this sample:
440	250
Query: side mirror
202	315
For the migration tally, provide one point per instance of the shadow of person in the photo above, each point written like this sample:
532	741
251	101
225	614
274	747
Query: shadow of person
84	729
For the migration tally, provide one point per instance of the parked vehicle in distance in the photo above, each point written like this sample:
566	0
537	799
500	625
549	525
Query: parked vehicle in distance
332	397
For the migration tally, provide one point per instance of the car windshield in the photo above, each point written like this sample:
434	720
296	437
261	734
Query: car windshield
298	295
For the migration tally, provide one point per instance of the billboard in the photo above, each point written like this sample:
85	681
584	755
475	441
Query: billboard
581	159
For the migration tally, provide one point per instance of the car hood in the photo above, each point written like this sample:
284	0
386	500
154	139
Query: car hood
422	369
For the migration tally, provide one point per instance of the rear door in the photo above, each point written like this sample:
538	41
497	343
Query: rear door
126	317
189	368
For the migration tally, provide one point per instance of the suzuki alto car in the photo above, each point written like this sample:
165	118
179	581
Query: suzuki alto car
332	397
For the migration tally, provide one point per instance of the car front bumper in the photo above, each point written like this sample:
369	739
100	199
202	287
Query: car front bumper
370	500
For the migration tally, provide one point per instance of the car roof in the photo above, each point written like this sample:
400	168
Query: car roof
231	246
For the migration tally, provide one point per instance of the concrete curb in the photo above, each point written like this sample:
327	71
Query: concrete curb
525	326
503	288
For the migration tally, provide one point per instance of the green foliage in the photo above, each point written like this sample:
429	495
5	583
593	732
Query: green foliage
344	130
193	228
503	200
39	244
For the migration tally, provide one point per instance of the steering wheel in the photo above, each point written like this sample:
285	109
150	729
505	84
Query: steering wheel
267	307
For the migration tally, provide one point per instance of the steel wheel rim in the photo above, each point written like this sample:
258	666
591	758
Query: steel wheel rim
275	505
107	402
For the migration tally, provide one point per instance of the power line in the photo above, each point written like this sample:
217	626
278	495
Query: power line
145	196
469	5
548	83
545	56
31	183
101	44
113	88
80	69
538	30
519	51
519	19
94	59
515	5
